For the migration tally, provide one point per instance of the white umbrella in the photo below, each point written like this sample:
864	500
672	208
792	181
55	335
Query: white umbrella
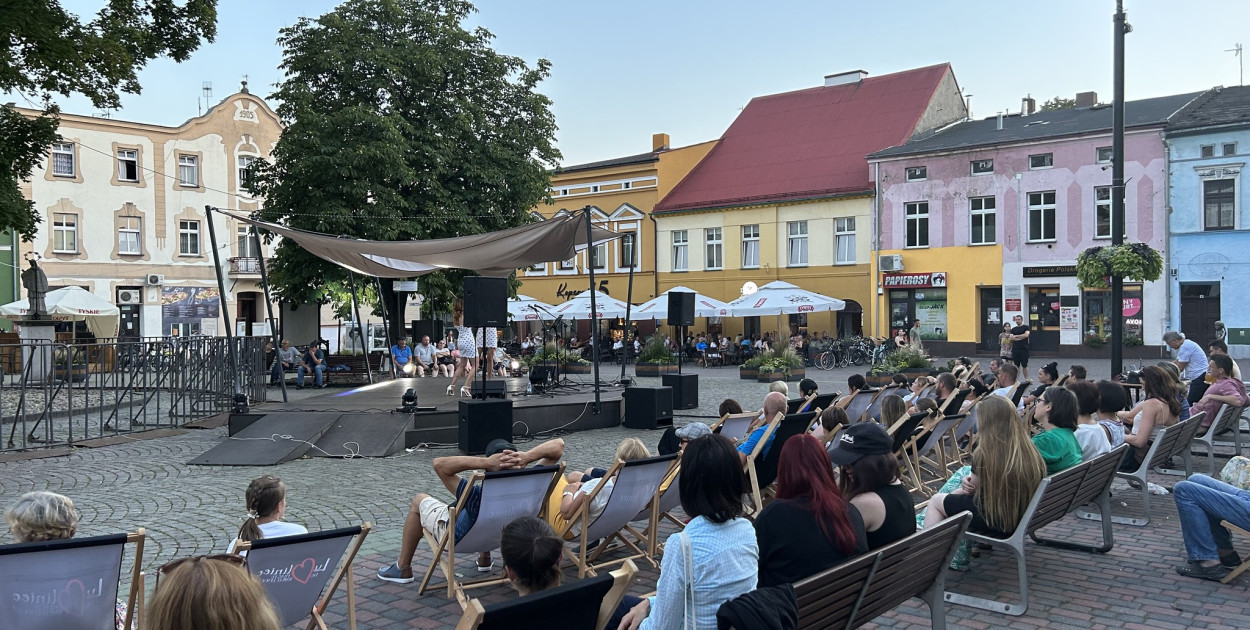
72	304
657	307
606	307
524	308
782	298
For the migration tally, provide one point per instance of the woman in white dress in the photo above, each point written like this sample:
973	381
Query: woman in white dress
468	351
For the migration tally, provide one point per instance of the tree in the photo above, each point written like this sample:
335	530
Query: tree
51	51
1058	103
401	124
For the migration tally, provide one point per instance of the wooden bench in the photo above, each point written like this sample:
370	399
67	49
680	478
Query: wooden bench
1055	497
860	590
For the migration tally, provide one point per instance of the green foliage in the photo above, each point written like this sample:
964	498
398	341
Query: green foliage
905	358
551	353
1058	102
401	124
1132	341
755	361
50	51
1094	341
1132	261
655	351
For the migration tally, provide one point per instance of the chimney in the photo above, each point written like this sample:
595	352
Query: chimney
659	142
1000	121
1028	106
1086	99
844	78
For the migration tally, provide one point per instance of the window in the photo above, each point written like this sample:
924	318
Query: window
128	236
1104	155
1102	212
917	173
1041	160
680	257
594	188
245	175
188	171
189	238
567	265
982	167
714	238
844	241
981	220
128	165
627	185
1208	150
796	246
1218	197
917	223
65	233
599	256
1042	216
247	244
1230	148
629	250
750	246
63	159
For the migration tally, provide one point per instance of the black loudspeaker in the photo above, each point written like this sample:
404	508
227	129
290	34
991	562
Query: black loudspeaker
431	327
648	407
685	389
495	388
680	308
485	302
542	376
482	421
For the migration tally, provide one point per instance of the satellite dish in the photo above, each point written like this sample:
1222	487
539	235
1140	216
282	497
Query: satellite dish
749	288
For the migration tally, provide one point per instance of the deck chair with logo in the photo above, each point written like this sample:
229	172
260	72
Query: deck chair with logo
506	496
586	603
636	485
734	425
301	573
69	584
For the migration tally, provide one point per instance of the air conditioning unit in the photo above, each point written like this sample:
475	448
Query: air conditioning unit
129	296
156	279
892	262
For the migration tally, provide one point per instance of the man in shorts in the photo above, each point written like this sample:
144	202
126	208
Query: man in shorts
428	513
1020	346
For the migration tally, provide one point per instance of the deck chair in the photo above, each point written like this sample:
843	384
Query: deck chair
1169	441
1245	564
1018	392
921	446
734	425
860	402
637	483
295	571
70	568
952	404
873	412
659	510
901	431
756	502
1227	420
822	401
506	495
586	603
965	427
790	426
799	404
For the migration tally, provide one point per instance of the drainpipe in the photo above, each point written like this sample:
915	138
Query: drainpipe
1167	243
655	254
876	249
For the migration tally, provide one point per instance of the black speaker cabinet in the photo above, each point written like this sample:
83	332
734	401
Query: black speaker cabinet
685	389
485	302
680	308
423	327
495	388
542	375
482	421
648	407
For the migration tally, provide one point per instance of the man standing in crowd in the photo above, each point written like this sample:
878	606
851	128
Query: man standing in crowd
1190	361
1020	346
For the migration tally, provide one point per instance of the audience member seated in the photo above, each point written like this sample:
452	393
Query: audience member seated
266	505
828	421
1056	411
1006	382
428	513
807	387
209	593
1093	439
717	542
869	479
1047	376
779	387
1201	503
918	387
774	403
1182	390
444	363
809	527
892	408
1076	373
1112	399
1161	408
899	380
1224	389
579	485
1217	346
854	383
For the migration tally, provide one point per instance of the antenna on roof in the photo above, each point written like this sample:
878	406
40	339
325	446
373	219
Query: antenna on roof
967	105
1236	50
207	90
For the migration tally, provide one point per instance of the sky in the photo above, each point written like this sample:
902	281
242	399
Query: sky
623	71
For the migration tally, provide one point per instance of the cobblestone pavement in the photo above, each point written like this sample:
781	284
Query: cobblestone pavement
195	510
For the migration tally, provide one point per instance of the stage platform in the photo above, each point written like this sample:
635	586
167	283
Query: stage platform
366	421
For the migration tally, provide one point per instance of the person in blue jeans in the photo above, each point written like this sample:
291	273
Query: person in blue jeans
314	361
1202	502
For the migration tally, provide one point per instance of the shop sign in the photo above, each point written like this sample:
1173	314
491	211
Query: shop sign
1131	306
567	294
1050	271
1013	305
913	280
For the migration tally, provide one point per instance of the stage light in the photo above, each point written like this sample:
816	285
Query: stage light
515	365
408	402
409	368
240	403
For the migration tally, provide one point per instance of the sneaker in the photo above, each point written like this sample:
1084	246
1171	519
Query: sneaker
486	569
392	573
1195	570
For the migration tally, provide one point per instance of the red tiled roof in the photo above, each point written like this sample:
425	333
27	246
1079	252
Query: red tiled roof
808	143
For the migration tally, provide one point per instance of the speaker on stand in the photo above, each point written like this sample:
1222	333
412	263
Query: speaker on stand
681	314
485	302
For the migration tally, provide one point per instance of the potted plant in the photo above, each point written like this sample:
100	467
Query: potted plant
749	370
571	362
1132	261
70	365
655	359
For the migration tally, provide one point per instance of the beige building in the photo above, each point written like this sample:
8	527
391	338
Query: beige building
123	215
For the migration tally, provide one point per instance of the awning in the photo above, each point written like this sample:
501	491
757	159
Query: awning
72	304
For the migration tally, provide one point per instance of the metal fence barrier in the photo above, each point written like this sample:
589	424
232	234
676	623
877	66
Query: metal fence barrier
57	394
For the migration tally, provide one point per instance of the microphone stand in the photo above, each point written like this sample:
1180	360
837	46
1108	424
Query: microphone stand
545	328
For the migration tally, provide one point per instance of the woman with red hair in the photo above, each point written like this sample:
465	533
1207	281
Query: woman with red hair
810	527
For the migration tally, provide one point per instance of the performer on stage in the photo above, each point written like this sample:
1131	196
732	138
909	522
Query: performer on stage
468	351
487	350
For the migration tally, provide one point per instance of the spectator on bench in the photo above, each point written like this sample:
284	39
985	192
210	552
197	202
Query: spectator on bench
1217	346
1223	390
1112	399
871	483
209	593
1057	411
1161	408
285	362
1093	438
314	361
1201	503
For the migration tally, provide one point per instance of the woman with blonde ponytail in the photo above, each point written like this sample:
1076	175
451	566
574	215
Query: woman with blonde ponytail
266	505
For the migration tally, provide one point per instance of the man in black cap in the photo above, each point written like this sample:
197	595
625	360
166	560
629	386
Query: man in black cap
870	481
428	513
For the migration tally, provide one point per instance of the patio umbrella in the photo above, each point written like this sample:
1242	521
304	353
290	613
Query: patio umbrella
782	298
606	307
73	304
657	307
524	308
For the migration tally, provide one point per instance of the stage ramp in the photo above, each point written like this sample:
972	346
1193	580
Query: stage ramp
280	437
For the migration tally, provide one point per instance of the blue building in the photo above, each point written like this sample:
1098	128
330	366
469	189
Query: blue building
1208	143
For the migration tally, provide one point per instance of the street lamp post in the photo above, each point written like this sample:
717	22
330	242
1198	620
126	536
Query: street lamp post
1120	28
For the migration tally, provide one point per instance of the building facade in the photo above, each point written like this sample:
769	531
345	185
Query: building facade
123	209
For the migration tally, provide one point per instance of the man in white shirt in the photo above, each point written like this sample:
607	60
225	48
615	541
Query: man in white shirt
1191	362
423	356
1007	373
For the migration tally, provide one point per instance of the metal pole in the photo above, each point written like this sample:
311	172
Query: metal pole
386	323
273	322
628	344
360	323
1117	190
221	297
594	310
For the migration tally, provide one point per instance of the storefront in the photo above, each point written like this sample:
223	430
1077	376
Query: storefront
1062	313
918	297
1098	310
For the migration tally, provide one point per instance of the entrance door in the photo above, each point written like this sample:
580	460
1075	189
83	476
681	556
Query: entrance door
129	324
1200	309
1043	318
991	318
901	314
247	312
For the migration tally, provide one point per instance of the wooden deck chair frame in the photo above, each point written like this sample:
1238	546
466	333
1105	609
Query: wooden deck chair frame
767	469
800	404
341	574
907	472
1018	392
753	481
859	403
589	565
1245	564
873	411
475	613
444	548
659	510
1227	420
920	451
963	456
1169	441
730	423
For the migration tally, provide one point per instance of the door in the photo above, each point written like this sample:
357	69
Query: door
1200	309
129	325
247	313
901	314
991	318
1043	318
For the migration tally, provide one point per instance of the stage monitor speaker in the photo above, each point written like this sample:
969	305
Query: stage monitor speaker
495	388
481	421
648	407
431	327
680	308
685	389
485	302
543	375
